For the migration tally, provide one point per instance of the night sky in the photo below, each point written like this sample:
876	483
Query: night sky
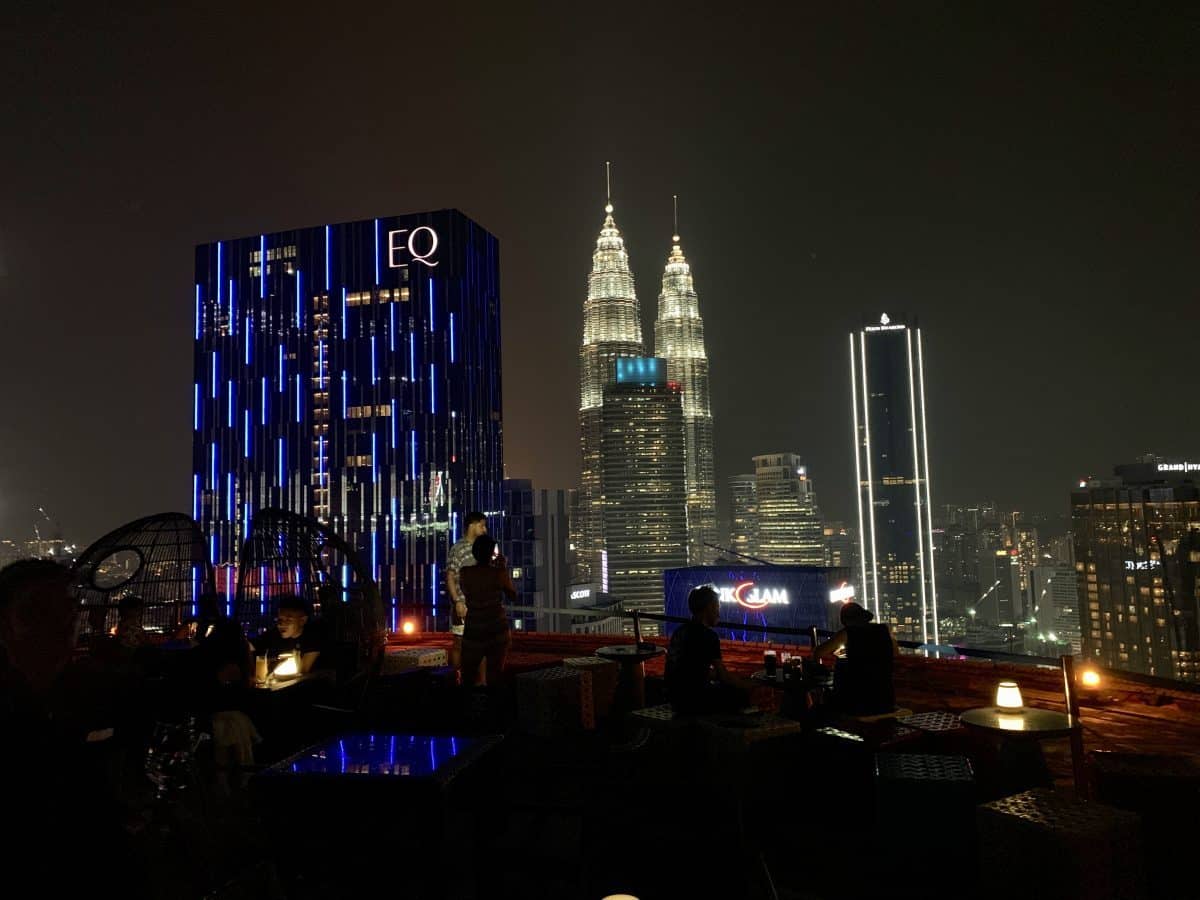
1025	181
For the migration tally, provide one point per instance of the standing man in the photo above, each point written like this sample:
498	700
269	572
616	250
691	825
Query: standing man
460	555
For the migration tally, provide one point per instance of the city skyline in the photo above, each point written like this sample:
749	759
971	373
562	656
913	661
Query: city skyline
1030	221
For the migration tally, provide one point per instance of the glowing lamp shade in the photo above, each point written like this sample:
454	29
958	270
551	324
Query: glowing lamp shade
1008	695
1089	678
409	627
287	667
619	897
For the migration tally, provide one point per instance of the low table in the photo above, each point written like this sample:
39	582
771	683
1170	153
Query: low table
631	685
1030	724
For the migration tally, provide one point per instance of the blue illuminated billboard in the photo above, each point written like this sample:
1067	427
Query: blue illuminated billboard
797	597
641	370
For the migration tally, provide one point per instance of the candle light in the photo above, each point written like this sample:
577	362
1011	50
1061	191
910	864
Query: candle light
1008	696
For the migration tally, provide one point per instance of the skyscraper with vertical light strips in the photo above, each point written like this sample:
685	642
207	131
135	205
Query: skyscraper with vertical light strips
679	339
891	460
612	328
351	373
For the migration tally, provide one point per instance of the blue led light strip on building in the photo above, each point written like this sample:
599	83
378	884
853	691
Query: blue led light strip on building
281	454
432	325
196	496
412	458
246	436
219	278
433	586
264	400
343	314
197	312
232	309
248	336
343	393
262	268
451	337
229	496
299	399
393	418
282	379
373	376
432	389
299	313
374	463
391	325
229	403
215	366
412	358
327	281
376	253
212	461
196	410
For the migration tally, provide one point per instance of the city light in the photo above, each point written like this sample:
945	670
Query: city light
409	627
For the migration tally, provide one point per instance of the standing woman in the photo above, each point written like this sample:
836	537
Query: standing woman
484	586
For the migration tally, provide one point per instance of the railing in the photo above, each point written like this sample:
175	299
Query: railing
813	634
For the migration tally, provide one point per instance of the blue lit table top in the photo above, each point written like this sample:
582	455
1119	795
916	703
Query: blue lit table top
389	756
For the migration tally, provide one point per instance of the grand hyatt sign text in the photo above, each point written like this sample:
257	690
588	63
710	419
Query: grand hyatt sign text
749	596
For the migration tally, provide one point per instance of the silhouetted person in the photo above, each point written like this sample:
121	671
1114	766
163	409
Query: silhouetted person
697	681
460	557
485	635
52	797
130	633
292	633
862	680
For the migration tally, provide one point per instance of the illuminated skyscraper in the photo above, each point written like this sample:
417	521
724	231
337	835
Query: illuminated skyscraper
891	459
1137	564
789	522
351	373
643	481
679	339
743	529
612	327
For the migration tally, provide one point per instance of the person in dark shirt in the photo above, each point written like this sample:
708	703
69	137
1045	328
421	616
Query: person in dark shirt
485	634
694	658
292	632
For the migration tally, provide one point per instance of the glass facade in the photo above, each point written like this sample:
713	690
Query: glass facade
788	520
644	488
1137	551
891	461
351	373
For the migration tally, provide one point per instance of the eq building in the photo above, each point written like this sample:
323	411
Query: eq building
351	373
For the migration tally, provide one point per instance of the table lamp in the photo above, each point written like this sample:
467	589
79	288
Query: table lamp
288	667
1008	696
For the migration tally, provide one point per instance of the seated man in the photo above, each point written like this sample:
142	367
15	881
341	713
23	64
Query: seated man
694	657
291	633
862	678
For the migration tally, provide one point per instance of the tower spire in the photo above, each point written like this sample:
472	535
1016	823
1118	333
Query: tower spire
608	207
675	234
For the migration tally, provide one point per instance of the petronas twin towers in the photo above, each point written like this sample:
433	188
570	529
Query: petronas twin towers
612	329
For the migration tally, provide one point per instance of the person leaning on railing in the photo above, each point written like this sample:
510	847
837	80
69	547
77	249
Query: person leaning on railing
484	587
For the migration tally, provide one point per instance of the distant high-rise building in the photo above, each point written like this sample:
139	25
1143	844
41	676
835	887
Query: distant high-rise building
789	522
1052	608
743	528
1025	542
679	339
839	546
533	535
612	327
887	376
351	373
1000	601
1137	564
1062	548
643	481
